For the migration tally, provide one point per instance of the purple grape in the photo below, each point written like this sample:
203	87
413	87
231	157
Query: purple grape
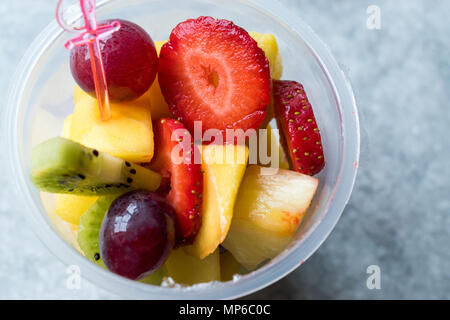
130	60
137	234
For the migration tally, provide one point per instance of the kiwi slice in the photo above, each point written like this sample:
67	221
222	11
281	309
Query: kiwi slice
60	165
89	229
88	237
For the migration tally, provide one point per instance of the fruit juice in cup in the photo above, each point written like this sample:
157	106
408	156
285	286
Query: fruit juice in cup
41	97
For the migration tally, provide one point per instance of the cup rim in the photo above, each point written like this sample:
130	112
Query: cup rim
249	283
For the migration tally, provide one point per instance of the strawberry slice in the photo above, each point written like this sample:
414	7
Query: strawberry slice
212	71
182	178
296	120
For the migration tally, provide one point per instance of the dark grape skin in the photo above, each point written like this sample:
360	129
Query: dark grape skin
137	234
130	60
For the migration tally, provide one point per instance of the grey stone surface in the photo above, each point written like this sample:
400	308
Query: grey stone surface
399	214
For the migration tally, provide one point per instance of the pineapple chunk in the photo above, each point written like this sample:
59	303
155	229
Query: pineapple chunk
67	125
224	168
185	269
71	207
67	230
127	135
268	211
268	43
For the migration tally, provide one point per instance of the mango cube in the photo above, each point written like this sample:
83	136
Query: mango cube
224	168
127	135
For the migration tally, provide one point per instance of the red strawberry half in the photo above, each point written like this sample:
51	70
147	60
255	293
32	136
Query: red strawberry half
182	178
212	71
296	120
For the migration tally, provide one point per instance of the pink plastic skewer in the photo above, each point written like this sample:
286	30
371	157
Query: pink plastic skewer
91	37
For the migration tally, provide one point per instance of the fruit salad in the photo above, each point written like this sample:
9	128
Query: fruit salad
204	169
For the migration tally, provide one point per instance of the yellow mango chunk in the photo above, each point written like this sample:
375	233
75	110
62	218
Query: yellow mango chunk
127	135
186	269
224	168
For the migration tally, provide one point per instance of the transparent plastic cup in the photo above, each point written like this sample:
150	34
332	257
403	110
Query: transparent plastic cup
41	97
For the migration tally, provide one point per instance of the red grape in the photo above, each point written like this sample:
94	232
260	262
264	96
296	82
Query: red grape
130	60
137	234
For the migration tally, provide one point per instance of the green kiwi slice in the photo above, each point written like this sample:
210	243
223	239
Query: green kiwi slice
89	228
88	237
60	165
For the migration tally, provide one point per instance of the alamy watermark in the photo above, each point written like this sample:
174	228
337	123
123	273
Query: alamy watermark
373	21
73	281
260	150
374	280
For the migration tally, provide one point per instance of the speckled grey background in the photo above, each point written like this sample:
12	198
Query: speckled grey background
399	214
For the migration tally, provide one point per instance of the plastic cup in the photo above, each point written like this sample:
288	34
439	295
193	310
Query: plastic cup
41	97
